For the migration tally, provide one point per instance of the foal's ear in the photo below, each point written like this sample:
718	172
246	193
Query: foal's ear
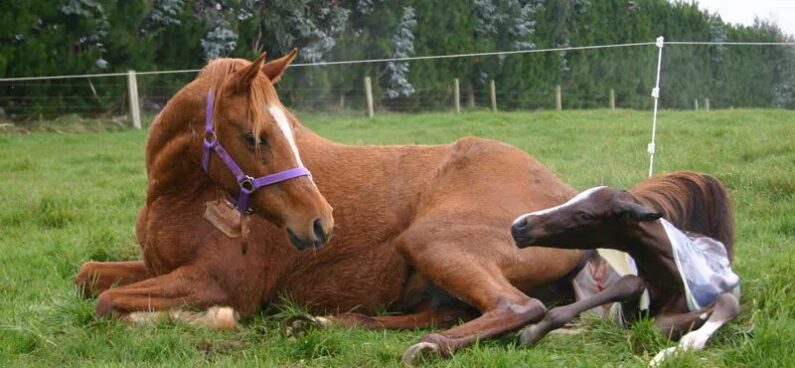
243	78
275	68
638	212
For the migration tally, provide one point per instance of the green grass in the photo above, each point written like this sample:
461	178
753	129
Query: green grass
68	198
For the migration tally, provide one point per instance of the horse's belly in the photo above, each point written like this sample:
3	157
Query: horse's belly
364	281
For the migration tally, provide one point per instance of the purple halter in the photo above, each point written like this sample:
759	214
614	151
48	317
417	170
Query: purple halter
247	183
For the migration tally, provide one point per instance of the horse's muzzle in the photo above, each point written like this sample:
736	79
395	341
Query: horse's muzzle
317	238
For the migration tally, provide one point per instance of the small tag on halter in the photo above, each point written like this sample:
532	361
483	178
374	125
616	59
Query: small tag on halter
224	216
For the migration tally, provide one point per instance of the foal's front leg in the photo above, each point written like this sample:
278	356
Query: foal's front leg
725	309
628	288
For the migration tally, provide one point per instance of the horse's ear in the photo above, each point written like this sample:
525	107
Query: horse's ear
275	68
243	78
638	212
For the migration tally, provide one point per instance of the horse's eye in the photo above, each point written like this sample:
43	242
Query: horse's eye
585	216
249	138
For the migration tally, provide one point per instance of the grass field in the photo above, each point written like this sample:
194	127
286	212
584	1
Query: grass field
68	198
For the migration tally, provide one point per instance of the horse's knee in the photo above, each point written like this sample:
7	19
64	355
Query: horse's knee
630	286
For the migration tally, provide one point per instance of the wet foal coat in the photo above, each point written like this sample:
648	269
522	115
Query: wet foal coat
418	229
631	222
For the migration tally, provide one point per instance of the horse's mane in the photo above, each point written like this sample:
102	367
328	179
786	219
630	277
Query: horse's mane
219	72
179	112
692	202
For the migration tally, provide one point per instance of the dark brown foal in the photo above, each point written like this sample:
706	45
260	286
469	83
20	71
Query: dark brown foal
633	222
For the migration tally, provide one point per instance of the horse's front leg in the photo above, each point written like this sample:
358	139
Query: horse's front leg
710	319
96	277
165	295
627	289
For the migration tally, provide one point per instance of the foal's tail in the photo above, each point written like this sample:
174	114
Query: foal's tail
693	202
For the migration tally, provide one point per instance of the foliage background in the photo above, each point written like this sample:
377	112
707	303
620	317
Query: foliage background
56	37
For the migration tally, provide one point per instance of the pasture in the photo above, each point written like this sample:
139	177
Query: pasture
67	198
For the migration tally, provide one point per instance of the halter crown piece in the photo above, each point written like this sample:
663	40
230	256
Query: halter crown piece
247	183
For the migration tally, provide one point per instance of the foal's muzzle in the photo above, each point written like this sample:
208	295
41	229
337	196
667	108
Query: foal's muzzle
522	232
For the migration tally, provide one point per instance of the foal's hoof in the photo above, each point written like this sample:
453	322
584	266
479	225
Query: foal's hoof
296	325
664	355
420	352
530	335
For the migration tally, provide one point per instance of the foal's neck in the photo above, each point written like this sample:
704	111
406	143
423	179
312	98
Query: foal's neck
652	251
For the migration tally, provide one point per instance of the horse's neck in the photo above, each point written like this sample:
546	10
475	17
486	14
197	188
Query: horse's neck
173	158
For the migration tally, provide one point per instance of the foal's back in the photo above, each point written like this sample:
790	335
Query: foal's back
692	202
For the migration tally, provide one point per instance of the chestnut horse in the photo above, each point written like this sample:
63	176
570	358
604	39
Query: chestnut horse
420	229
630	221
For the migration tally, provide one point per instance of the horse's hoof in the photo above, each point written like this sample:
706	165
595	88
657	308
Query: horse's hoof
420	352
297	325
530	335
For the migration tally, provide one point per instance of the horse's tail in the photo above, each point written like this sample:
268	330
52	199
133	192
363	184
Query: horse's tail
693	202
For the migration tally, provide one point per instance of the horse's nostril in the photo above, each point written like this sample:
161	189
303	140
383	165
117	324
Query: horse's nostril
320	233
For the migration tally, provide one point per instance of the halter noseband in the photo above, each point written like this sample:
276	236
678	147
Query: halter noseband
247	183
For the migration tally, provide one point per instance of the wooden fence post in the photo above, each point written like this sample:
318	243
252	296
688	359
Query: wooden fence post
612	99
457	96
558	98
493	95
706	104
132	91
368	90
695	102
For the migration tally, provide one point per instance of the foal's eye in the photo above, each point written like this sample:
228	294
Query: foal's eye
585	216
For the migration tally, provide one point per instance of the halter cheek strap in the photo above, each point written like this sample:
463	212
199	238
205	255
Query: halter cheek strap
247	183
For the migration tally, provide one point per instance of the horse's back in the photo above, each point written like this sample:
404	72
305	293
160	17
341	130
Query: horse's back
480	187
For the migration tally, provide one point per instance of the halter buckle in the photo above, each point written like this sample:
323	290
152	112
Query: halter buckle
247	184
210	137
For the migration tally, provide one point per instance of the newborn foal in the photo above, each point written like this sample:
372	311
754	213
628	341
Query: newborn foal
687	274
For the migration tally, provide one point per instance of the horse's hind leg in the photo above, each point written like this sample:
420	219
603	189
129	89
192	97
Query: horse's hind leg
96	277
184	287
725	309
443	317
433	317
626	289
473	278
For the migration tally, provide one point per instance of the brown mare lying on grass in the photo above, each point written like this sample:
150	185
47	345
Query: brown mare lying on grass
630	221
420	229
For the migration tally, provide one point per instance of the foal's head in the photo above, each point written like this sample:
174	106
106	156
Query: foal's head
256	130
595	218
